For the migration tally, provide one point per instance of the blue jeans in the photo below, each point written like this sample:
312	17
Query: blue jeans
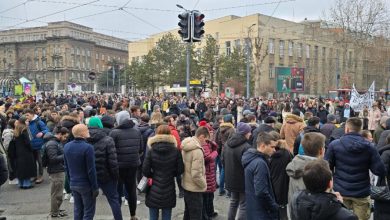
110	191
154	213
25	183
84	203
221	174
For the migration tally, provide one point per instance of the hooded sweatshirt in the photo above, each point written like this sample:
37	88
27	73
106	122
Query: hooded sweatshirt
295	171
194	177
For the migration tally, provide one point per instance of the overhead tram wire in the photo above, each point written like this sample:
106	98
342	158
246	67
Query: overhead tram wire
13	7
51	14
142	20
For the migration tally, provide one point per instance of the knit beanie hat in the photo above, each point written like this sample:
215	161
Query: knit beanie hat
243	128
331	118
224	111
228	118
121	117
95	122
108	121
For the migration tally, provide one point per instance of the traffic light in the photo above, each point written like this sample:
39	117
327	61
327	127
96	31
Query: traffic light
197	26
185	25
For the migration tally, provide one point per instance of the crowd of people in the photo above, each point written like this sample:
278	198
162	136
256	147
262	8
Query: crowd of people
302	158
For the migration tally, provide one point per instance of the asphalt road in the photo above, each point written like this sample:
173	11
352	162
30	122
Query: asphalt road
34	204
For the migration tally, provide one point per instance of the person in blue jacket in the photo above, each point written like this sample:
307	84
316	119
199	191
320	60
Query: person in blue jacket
37	130
259	194
79	158
351	158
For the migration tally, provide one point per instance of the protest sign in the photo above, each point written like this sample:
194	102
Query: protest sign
358	101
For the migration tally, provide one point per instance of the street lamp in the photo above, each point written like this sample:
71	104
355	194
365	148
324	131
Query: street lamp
181	7
248	63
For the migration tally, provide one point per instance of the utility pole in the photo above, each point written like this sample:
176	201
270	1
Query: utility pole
248	54
188	70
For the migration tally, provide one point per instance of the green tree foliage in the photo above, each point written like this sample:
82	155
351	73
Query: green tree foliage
208	60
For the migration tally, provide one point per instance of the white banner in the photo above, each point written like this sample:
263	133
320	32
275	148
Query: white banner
358	101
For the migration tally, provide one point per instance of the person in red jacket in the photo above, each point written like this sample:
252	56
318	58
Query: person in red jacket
210	154
172	125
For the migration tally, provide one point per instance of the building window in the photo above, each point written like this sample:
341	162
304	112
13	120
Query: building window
44	64
97	67
271	71
315	52
228	48
97	56
36	64
82	52
102	56
290	48
271	46
83	65
36	52
88	53
307	51
43	52
299	49
77	51
281	48
72	50
323	52
78	63
237	44
108	58
350	59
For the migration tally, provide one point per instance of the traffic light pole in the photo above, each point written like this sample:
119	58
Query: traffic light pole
188	70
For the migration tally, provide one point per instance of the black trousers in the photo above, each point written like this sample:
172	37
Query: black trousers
208	205
127	176
193	202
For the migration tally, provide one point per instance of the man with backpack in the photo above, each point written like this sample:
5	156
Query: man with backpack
37	130
53	159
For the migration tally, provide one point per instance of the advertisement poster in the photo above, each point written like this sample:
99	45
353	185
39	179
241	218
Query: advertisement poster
290	79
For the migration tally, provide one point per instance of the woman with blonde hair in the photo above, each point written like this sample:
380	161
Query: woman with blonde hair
156	118
162	164
21	154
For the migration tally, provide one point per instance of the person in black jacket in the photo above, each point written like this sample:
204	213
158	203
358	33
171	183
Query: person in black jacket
106	164
279	178
128	144
234	148
382	211
54	152
146	132
3	169
316	202
268	126
163	163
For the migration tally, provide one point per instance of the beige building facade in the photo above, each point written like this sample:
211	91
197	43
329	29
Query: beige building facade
312	45
59	54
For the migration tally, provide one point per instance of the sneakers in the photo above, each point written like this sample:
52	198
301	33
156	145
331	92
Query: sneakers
138	202
13	182
133	218
71	200
214	215
39	180
126	203
61	214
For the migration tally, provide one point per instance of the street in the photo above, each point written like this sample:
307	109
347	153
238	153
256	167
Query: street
34	204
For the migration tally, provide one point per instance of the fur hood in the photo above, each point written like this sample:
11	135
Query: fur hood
70	118
162	138
292	119
191	143
226	124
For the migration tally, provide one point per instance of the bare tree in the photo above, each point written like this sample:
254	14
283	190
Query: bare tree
259	54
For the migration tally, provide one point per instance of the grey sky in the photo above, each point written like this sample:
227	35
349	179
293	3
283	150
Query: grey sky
143	17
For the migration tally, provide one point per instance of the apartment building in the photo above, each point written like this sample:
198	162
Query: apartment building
312	45
60	53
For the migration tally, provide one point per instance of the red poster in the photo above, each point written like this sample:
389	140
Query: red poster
297	79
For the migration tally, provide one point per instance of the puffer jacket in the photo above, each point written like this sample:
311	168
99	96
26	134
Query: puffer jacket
384	134
222	135
289	131
7	136
235	147
146	132
55	154
36	126
128	144
295	171
194	177
210	153
163	163
319	206
351	157
105	155
259	194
